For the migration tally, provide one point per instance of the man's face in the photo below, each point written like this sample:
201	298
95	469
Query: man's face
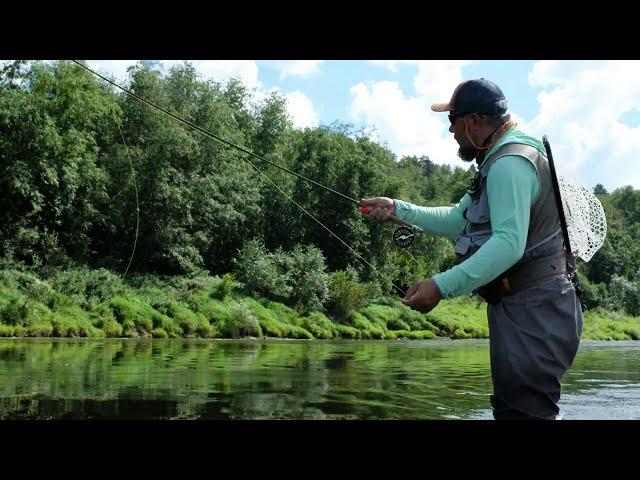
467	151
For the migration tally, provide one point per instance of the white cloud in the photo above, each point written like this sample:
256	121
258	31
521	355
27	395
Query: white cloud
554	72
393	64
436	79
580	110
405	121
296	68
218	70
223	70
580	107
299	106
116	68
301	110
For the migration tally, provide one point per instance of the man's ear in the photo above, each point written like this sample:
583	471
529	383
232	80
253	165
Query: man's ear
475	120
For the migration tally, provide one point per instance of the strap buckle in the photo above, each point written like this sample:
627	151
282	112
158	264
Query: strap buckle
506	285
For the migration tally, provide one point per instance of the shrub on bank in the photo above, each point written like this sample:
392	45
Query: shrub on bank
240	322
296	278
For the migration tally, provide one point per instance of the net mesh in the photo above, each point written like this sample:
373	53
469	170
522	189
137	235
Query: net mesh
585	219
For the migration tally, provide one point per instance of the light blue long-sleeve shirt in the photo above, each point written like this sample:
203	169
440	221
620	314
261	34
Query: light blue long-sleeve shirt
512	188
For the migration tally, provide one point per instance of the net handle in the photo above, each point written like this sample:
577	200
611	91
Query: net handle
556	192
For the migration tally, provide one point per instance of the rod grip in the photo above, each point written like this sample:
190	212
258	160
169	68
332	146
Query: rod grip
393	218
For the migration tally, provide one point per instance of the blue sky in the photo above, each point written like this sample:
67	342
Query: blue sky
329	88
589	109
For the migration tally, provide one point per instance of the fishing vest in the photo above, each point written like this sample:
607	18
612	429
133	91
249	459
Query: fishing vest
544	253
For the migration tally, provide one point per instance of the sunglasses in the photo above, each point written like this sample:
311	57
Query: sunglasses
453	117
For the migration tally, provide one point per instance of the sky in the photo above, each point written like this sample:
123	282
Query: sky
590	110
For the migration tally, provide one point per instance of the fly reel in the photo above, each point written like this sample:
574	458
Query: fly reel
403	236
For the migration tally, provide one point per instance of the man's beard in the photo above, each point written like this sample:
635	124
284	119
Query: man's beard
468	152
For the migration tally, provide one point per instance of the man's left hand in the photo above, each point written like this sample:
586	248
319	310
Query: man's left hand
422	296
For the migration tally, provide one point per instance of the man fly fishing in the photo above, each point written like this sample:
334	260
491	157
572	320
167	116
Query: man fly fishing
509	242
509	239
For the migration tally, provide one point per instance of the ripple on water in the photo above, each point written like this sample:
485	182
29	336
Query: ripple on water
294	380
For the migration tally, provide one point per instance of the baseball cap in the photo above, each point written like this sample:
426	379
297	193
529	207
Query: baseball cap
475	96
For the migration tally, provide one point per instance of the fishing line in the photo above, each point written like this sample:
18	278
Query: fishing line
135	187
409	233
216	137
325	227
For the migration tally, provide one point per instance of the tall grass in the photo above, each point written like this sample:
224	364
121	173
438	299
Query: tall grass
98	303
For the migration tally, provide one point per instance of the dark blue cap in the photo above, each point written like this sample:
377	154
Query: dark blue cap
475	96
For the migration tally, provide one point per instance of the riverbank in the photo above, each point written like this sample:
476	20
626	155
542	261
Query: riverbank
98	303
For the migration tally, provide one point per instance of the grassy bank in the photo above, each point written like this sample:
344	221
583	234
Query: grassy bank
98	303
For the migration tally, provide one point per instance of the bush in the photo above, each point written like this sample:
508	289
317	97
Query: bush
159	333
19	331
593	294
624	294
20	311
111	328
15	310
240	323
601	324
297	278
310	282
460	333
88	285
416	320
224	288
347	293
262	271
6	331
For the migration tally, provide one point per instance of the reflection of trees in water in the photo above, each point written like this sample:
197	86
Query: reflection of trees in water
272	406
195	378
256	379
68	371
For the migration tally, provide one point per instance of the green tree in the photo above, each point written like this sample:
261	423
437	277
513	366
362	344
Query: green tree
627	200
51	125
600	190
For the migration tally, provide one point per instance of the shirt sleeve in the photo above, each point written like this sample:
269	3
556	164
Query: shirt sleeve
443	221
512	187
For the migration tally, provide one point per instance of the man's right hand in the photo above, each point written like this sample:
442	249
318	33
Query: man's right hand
379	209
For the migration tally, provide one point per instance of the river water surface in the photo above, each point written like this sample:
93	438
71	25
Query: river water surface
288	379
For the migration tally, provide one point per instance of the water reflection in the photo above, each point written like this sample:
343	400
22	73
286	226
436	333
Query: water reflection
226	379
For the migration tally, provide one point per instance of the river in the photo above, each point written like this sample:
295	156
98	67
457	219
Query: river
288	379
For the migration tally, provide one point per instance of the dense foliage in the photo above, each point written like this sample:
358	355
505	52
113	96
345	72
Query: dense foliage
74	151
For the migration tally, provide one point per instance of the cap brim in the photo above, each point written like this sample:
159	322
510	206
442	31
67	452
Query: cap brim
441	107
